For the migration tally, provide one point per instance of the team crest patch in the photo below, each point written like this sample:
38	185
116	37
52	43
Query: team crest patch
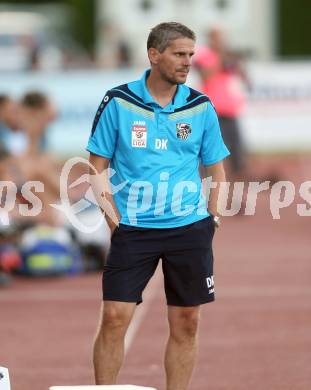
139	135
183	130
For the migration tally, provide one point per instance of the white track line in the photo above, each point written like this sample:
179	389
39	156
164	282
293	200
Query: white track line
65	295
142	309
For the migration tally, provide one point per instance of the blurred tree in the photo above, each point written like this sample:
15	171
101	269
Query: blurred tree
294	28
82	20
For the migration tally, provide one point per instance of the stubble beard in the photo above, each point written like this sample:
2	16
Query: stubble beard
171	79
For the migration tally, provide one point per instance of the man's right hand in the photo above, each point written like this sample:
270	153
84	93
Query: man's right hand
112	225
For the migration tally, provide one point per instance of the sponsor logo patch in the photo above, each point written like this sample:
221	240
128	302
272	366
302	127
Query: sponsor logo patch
183	130
139	136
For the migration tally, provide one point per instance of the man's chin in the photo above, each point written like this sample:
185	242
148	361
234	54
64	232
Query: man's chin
177	80
181	80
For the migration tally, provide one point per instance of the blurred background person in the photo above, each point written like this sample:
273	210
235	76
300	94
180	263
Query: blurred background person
11	138
43	236
36	112
221	77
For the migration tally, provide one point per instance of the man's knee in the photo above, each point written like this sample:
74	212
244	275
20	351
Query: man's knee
116	317
184	323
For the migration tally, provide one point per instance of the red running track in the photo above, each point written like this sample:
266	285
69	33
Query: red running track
255	336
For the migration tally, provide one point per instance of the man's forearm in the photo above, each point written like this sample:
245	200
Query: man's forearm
101	187
109	209
215	201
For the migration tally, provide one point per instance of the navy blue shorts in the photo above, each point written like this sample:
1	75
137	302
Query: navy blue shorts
187	263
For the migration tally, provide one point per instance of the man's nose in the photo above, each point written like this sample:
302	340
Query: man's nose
187	61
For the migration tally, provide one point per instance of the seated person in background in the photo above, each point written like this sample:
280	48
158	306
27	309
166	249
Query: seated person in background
12	140
29	161
36	113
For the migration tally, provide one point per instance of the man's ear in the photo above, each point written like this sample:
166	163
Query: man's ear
153	55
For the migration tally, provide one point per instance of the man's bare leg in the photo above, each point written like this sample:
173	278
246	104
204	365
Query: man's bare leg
181	347
109	341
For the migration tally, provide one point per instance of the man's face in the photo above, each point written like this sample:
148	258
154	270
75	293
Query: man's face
174	62
37	119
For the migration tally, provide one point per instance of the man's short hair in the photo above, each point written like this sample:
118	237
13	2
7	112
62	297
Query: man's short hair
161	35
34	99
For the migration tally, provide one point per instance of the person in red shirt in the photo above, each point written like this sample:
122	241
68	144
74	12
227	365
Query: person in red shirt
221	78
